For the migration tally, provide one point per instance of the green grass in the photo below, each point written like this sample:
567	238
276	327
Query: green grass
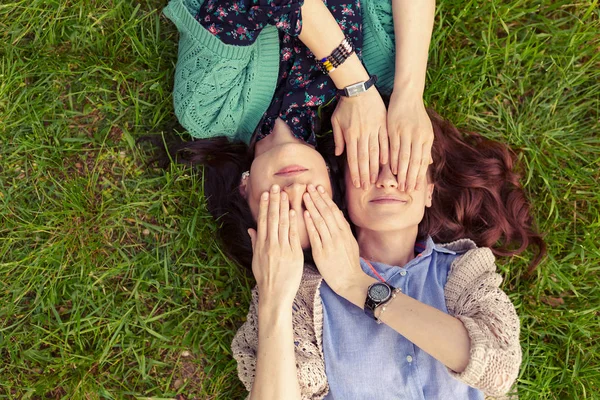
111	283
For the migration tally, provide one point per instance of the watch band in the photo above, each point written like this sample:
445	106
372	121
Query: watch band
358	88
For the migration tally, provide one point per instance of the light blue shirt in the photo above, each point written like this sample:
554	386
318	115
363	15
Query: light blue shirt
365	360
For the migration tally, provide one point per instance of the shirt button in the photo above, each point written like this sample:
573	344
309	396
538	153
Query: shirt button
409	358
403	273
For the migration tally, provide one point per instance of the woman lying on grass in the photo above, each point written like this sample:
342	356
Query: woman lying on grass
247	78
411	318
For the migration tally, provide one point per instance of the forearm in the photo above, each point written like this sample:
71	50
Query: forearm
440	335
276	376
322	34
413	24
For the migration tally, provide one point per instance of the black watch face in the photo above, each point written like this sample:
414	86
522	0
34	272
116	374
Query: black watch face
379	292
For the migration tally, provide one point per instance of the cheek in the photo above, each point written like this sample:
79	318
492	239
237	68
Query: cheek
355	211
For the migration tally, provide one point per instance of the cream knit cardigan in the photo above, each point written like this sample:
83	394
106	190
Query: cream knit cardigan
472	294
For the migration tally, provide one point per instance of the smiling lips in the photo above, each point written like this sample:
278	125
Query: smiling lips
388	199
291	170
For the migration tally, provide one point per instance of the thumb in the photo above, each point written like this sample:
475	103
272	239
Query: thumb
252	234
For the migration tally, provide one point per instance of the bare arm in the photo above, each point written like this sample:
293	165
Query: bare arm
359	123
335	252
276	362
409	127
442	336
413	24
322	34
277	265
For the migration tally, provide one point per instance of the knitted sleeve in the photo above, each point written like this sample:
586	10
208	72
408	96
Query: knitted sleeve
245	344
309	361
239	22
473	295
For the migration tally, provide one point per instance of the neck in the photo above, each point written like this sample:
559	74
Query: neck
390	247
280	135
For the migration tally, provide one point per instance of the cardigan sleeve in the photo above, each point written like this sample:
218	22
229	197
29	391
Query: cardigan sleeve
475	298
238	22
245	345
220	89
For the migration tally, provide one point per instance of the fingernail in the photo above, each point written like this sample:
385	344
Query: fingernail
311	188
356	183
307	214
292	213
306	197
283	196
321	189
365	185
265	196
373	178
275	189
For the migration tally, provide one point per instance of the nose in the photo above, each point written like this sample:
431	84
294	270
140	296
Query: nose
386	178
295	192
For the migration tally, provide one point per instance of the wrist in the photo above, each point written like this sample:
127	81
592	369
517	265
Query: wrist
274	308
274	311
349	73
356	291
406	98
408	86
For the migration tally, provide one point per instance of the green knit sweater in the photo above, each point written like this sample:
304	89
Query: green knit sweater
224	90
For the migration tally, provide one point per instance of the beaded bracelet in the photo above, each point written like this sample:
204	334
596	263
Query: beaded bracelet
383	307
337	57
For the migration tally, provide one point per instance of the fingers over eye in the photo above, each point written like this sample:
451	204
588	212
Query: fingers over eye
317	218
284	222
262	216
351	153
384	153
313	233
363	161
333	208
373	158
403	162
326	209
414	167
273	213
294	237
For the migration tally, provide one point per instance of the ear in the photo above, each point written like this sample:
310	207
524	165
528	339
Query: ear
429	195
243	187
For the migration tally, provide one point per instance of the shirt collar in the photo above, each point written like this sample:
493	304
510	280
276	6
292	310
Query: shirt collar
430	246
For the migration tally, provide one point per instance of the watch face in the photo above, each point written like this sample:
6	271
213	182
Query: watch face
379	292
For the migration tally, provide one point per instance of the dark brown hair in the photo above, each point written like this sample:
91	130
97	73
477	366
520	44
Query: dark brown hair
477	194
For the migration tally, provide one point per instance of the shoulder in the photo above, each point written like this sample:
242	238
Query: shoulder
473	264
470	260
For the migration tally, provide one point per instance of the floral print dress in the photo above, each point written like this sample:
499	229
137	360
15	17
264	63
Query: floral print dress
301	86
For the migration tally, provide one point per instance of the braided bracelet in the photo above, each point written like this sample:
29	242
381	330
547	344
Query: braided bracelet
337	57
384	306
